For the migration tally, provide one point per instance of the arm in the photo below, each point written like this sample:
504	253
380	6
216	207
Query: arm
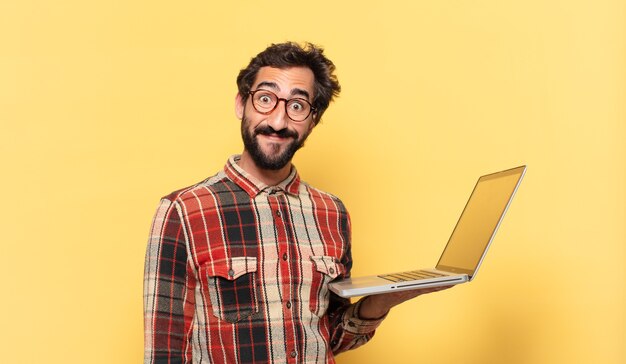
166	305
352	325
348	330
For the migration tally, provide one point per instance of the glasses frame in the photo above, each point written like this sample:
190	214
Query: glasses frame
312	110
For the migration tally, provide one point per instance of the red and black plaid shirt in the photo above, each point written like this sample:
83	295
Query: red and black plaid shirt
237	272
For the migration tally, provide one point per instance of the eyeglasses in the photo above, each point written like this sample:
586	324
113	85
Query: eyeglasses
265	102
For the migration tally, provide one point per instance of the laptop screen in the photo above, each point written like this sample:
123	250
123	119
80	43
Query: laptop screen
479	221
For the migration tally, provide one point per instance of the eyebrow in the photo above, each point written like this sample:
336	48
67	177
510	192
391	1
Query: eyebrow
274	86
300	92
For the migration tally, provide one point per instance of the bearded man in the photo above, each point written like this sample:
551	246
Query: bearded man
238	265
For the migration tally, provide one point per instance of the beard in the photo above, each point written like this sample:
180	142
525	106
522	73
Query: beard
277	159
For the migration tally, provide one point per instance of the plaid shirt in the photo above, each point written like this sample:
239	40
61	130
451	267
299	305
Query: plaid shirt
237	271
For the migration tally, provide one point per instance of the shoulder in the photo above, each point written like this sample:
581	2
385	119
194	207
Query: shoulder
204	187
328	199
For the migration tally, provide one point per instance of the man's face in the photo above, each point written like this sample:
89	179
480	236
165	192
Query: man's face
273	139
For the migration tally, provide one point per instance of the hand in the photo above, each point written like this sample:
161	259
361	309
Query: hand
376	306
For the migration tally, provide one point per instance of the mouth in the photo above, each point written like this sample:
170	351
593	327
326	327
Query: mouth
271	134
274	137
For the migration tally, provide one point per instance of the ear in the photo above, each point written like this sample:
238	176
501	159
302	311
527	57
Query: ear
314	122
239	105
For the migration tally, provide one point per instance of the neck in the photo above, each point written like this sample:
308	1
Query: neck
268	176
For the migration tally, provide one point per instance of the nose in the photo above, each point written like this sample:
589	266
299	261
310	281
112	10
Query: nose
278	119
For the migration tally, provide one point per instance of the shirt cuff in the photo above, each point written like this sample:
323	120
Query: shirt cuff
353	324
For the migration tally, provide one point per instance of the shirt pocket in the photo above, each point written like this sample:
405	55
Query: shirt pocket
232	287
325	269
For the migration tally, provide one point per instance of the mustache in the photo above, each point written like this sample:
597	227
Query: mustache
268	130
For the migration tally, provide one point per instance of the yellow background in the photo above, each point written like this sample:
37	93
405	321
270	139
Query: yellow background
105	106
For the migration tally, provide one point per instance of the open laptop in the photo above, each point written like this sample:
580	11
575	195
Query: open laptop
466	247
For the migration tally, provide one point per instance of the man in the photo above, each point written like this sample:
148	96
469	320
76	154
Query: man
237	266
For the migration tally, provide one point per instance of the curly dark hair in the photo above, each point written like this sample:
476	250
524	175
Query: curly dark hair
290	54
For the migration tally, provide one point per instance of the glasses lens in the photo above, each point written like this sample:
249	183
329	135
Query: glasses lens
298	109
264	101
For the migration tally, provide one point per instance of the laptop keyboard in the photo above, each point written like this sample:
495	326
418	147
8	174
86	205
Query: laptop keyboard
411	276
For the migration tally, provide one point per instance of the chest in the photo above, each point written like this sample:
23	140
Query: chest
270	229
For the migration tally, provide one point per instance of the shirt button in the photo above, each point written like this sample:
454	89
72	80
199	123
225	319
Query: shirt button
278	213
293	354
288	304
285	256
231	272
332	271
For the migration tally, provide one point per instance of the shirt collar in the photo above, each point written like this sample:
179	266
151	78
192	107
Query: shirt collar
253	186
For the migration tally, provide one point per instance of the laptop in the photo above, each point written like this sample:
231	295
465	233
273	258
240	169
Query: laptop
465	249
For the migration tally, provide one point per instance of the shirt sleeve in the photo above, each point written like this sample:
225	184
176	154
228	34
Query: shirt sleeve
168	305
348	331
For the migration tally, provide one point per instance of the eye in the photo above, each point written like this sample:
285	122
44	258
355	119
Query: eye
265	99
297	106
